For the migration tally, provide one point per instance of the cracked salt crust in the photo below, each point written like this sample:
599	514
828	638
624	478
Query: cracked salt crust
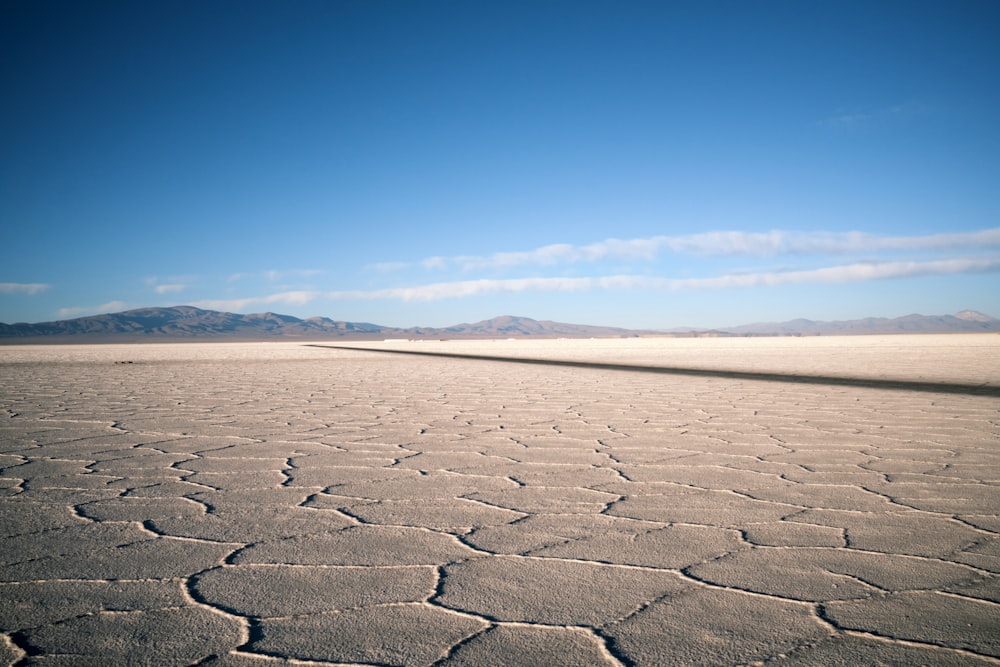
254	504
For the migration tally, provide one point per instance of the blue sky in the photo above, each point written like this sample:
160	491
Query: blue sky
640	164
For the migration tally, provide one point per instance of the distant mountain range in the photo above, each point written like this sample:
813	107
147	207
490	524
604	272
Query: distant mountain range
967	321
189	323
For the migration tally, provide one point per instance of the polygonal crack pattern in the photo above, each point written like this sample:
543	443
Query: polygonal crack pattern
343	508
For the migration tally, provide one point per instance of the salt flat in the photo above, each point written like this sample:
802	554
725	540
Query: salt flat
258	504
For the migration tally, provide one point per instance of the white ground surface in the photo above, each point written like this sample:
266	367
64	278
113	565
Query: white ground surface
258	504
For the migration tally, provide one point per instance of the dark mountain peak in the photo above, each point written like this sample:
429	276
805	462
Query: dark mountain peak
271	317
169	323
176	311
511	319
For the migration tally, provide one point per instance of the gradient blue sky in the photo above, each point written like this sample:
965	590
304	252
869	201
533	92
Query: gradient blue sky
641	164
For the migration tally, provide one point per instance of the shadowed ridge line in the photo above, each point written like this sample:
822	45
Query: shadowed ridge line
868	383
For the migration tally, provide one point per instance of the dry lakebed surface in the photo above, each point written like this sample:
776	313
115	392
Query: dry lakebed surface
648	501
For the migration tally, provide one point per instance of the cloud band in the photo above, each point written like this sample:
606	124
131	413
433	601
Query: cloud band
23	288
857	272
719	243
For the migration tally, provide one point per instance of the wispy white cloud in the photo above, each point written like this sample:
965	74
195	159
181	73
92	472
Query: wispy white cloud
860	116
857	272
23	288
169	289
434	263
719	243
82	311
449	290
388	267
169	285
557	253
769	244
275	275
293	298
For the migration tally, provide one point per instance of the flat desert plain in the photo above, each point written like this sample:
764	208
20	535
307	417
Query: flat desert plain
779	501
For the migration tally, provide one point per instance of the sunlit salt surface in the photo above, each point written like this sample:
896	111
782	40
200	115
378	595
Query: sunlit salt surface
970	358
973	358
237	504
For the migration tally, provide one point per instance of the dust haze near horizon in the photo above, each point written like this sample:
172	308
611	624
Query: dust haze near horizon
646	165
